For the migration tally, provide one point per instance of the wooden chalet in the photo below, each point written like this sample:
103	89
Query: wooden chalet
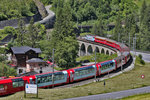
21	56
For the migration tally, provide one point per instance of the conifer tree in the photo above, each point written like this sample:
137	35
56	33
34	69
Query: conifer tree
101	27
63	39
20	40
143	11
145	30
32	35
118	28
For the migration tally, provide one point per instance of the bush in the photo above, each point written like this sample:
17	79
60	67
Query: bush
9	30
2	50
2	58
6	70
3	17
142	62
13	14
140	56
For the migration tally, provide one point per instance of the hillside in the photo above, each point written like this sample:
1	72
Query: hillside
17	8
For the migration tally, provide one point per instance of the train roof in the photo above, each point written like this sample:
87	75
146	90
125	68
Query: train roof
106	62
87	67
109	40
11	79
100	37
50	73
81	67
126	53
3	81
119	57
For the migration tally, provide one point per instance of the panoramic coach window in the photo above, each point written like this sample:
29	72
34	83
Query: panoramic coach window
18	84
44	79
84	72
1	86
58	77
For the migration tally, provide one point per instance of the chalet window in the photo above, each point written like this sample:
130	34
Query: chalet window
20	70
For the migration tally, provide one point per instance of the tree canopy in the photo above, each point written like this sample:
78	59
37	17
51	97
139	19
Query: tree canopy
16	9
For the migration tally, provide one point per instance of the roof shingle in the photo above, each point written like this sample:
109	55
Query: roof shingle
24	49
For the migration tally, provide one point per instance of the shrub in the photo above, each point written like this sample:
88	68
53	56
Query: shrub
140	56
13	14
5	70
142	62
2	58
9	30
3	17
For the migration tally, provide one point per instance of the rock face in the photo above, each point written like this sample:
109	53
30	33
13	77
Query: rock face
41	8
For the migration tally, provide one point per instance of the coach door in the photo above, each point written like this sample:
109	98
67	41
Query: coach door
31	81
71	76
99	67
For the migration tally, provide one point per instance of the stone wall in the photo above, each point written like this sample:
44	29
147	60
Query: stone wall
41	8
14	22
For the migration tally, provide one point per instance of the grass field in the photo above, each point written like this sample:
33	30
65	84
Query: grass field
138	97
99	57
127	80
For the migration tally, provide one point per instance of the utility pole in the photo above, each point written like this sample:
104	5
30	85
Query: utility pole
129	39
118	37
53	68
95	64
135	45
121	56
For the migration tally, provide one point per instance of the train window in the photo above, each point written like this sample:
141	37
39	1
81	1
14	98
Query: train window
58	77
1	86
38	80
15	84
111	64
20	83
84	72
49	78
43	79
76	73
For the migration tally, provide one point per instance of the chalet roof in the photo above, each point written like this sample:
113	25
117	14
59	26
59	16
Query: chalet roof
34	60
24	49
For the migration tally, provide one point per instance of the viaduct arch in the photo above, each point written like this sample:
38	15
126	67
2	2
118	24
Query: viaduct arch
88	47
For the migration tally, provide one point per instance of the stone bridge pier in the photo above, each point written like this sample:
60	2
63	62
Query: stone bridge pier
86	48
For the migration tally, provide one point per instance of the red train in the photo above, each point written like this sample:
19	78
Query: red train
44	80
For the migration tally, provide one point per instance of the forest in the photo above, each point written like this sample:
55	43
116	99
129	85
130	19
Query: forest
12	9
130	18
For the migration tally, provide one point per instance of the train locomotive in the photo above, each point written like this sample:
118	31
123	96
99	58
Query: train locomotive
44	80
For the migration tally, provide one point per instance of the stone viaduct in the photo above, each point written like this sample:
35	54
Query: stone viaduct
87	47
